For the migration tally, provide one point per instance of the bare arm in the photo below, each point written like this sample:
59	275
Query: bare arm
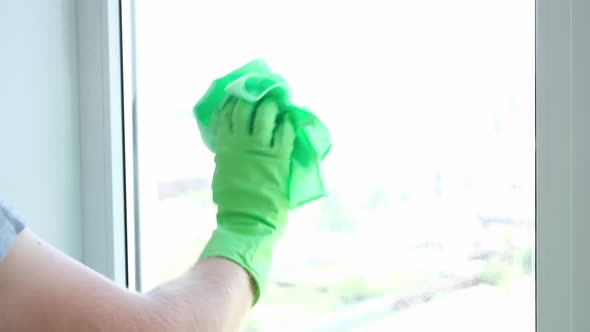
41	289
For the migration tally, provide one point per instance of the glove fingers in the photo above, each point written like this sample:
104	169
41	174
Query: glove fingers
285	136
265	120
225	115
242	117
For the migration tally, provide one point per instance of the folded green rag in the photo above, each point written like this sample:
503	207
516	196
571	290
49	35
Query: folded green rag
253	82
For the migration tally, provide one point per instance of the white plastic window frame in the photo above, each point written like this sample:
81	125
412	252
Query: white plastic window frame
562	165
107	203
562	153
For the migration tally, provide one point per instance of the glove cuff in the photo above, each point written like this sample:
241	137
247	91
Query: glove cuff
253	253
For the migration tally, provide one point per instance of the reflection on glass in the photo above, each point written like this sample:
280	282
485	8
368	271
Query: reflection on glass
430	219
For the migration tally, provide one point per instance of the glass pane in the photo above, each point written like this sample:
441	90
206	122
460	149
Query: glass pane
429	224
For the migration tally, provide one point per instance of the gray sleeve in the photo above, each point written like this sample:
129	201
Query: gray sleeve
10	226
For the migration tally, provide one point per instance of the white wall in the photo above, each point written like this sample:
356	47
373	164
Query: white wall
39	119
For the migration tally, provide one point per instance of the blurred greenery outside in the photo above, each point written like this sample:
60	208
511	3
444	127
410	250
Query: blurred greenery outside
430	214
321	285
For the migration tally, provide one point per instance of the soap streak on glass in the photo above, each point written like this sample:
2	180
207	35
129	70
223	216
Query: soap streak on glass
430	219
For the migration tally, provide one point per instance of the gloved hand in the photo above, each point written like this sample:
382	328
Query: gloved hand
251	184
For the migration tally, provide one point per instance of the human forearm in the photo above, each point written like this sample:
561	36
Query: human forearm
41	289
214	296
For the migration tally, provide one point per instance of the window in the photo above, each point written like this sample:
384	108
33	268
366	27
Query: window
430	218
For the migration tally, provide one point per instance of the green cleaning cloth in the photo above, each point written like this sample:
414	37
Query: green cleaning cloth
253	82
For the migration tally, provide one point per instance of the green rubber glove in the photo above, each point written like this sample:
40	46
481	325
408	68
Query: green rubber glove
253	82
251	184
